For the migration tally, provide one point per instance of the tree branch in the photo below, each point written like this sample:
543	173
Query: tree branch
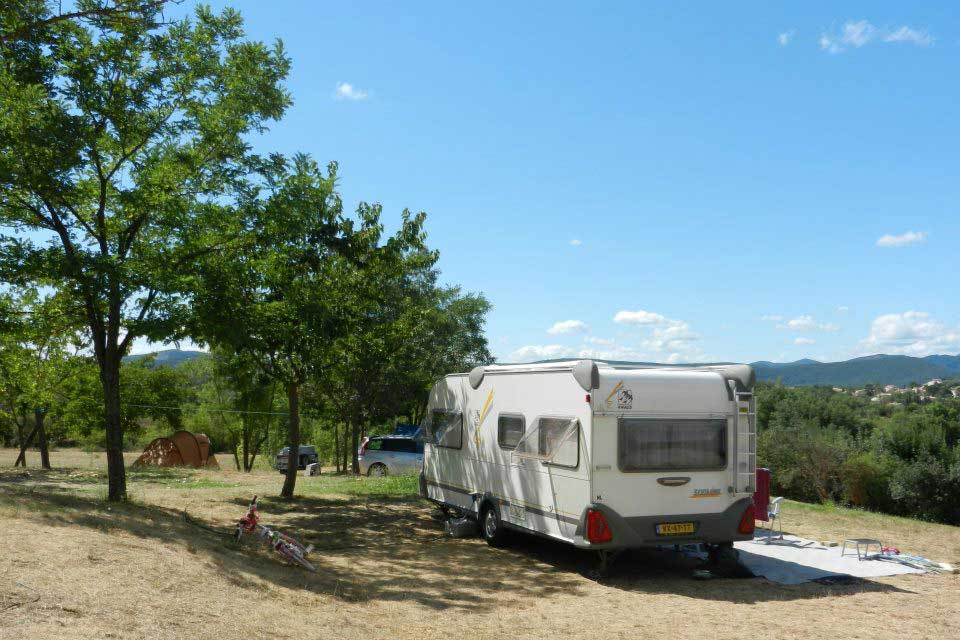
115	11
151	296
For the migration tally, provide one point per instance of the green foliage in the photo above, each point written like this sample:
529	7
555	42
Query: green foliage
123	138
152	398
828	446
929	489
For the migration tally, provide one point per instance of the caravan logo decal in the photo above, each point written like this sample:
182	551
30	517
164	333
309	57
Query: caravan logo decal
624	397
478	417
706	493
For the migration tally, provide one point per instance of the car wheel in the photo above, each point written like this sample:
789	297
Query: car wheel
377	470
491	526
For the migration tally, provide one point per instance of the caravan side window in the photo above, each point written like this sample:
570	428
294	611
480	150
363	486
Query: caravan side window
510	428
446	429
559	441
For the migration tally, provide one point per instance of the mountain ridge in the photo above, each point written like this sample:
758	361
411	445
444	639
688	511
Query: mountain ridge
877	369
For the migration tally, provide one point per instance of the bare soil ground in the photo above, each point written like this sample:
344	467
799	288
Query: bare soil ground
73	566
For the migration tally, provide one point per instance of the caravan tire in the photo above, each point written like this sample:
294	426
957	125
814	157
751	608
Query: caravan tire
491	526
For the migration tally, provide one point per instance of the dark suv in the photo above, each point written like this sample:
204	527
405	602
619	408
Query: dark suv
308	455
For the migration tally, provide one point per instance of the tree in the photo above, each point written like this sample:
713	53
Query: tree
119	141
278	292
234	403
40	350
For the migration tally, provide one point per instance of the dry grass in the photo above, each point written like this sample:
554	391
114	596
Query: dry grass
84	569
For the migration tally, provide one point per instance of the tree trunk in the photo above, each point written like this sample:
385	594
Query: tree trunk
39	415
245	440
355	442
110	380
345	449
293	441
336	446
22	457
256	450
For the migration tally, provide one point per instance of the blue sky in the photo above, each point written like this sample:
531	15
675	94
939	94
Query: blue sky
669	181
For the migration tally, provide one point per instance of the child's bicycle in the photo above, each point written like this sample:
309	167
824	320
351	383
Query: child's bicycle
281	543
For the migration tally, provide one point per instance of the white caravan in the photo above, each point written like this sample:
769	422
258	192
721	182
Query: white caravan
601	456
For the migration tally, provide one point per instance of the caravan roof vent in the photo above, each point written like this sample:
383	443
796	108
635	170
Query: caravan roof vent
586	373
476	377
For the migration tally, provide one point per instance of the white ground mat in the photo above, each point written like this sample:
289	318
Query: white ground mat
795	560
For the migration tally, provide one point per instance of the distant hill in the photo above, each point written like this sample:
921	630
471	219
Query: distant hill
169	357
880	369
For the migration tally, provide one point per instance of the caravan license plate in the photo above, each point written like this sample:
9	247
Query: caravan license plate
674	528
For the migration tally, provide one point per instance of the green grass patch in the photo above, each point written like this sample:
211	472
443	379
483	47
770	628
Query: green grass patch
405	486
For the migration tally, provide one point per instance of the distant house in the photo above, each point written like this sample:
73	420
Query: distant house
956	392
859	392
890	388
881	397
933	382
838	389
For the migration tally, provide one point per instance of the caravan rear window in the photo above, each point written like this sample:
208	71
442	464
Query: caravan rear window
660	444
445	429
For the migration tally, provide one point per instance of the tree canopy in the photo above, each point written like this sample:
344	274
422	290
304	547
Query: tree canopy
119	140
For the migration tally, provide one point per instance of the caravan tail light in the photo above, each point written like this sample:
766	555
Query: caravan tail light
598	530
363	446
746	521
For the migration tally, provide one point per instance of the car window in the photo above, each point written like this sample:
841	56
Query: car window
390	445
374	445
406	446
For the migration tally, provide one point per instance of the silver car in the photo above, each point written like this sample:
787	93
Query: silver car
390	455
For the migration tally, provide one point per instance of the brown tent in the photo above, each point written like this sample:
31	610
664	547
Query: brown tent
182	449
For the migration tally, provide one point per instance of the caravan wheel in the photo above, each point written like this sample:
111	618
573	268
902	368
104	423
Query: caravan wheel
491	527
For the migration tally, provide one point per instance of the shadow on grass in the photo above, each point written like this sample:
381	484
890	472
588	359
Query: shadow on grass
388	547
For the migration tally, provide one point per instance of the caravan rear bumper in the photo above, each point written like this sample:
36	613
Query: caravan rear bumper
641	531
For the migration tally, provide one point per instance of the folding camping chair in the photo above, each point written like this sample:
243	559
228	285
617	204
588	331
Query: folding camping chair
773	518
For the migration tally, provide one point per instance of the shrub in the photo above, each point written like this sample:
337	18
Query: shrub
928	489
866	481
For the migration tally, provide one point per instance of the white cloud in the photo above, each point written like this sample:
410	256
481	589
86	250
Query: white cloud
603	342
902	240
776	317
541	352
576	243
533	352
804	341
807	323
912	333
568	326
613	353
784	38
912	36
860	33
346	91
843	309
640	317
677	340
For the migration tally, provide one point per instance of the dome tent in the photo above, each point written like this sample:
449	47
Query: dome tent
182	449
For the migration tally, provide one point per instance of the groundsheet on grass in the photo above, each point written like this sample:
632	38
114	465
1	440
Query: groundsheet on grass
795	560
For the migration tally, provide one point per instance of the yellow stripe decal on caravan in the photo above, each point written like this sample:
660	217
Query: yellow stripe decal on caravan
612	393
486	407
480	417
